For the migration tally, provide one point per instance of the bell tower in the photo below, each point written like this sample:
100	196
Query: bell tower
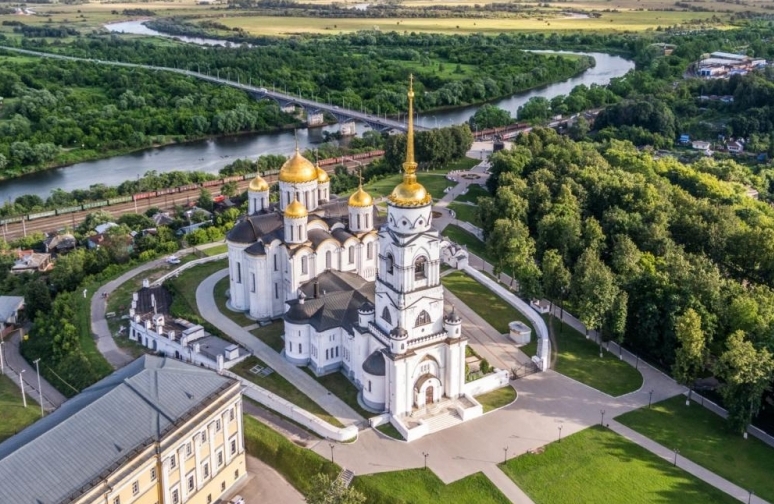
409	295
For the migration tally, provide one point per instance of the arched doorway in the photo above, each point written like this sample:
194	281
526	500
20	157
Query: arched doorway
429	395
427	391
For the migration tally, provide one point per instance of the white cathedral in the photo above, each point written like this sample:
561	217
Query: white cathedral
357	296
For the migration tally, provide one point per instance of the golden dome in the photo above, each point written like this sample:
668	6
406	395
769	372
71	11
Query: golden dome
410	193
322	175
258	185
361	198
297	170
296	210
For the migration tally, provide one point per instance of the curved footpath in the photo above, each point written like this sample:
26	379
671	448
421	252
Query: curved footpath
205	300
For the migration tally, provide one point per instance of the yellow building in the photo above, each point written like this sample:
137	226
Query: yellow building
157	431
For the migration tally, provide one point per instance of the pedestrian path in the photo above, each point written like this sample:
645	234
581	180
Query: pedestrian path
205	300
686	465
14	365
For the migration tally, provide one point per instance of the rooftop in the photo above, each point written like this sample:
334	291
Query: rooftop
63	454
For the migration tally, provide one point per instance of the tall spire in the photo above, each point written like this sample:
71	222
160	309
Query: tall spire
295	133
410	193
410	166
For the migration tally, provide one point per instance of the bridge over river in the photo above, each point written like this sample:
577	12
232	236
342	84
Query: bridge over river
341	114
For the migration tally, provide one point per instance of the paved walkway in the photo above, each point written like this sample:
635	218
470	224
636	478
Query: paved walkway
14	364
264	484
290	430
305	383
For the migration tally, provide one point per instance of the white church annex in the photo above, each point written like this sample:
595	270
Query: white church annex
357	296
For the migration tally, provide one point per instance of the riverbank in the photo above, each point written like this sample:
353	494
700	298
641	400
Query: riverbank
92	155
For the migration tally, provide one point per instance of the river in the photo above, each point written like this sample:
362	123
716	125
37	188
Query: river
211	155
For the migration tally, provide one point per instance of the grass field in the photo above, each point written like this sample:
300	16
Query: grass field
475	191
283	388
465	212
420	486
389	430
597	465
703	437
635	21
497	398
471	242
434	182
579	359
483	301
217	249
189	280
341	387
13	415
271	335
295	464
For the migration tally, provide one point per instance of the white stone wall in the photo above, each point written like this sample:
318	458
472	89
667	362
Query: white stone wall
236	273
257	201
305	192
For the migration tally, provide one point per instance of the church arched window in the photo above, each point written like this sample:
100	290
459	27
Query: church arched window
419	268
386	315
390	263
328	260
422	319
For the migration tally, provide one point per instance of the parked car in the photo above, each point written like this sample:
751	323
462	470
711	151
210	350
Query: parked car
173	259
238	499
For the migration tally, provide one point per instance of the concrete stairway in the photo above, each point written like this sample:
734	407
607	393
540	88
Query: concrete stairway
442	421
345	477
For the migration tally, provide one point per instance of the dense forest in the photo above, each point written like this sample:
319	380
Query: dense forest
58	111
636	245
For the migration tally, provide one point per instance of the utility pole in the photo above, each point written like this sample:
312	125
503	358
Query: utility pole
40	389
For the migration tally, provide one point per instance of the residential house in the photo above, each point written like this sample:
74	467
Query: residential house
735	147
56	243
29	261
9	313
700	145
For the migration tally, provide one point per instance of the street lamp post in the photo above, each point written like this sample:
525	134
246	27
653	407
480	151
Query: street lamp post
650	398
425	454
602	421
21	384
560	433
505	458
676	452
749	496
40	390
332	446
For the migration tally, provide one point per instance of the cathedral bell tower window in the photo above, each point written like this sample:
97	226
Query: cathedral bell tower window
419	268
390	264
386	315
422	319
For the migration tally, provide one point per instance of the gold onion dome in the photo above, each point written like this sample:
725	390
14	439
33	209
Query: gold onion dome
361	198
298	169
258	184
410	193
296	210
322	175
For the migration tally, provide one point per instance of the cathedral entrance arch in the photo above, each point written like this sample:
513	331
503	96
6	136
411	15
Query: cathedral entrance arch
427	391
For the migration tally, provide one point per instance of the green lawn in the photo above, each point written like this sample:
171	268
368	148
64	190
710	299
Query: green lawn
341	387
435	182
13	415
598	465
481	300
465	212
218	249
497	398
390	430
703	437
271	335
579	359
420	486
283	388
184	286
475	191
294	463
220	300
470	241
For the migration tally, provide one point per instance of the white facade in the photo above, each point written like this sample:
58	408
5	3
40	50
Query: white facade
366	302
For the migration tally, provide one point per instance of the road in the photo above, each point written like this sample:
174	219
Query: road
259	92
165	202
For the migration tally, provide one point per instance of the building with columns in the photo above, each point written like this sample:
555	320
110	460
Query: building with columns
356	296
157	431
